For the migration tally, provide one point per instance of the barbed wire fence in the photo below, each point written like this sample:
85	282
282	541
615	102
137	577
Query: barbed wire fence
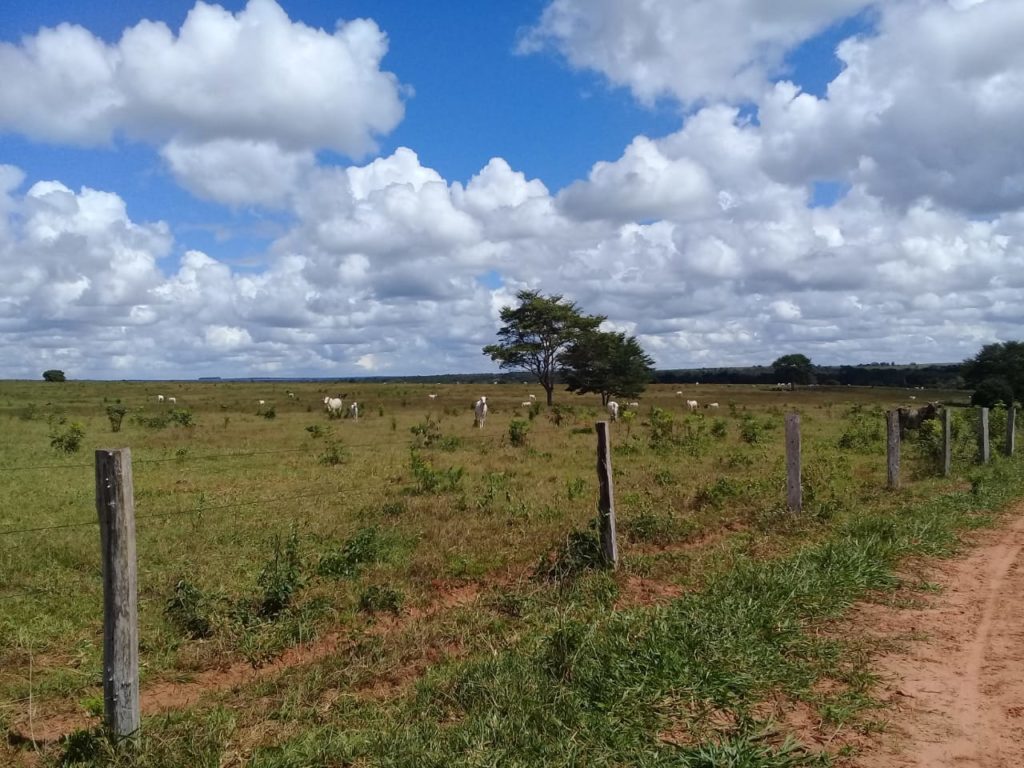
116	520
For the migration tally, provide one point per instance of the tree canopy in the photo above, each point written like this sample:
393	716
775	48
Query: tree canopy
1001	361
534	334
53	375
608	363
796	369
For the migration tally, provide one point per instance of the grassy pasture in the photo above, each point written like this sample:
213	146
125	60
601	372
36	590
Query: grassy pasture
265	533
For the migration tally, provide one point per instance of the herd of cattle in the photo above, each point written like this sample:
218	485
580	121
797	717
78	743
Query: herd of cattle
909	418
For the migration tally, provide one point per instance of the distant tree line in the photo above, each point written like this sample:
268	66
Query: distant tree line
935	376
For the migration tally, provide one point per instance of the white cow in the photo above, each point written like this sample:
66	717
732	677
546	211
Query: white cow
679	393
613	410
172	400
633	404
353	411
712	405
533	397
692	405
159	398
526	403
480	411
332	405
291	395
432	397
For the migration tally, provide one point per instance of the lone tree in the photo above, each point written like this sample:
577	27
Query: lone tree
534	335
795	369
53	375
997	367
609	363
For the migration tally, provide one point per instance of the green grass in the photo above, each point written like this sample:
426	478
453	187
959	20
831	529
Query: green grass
275	547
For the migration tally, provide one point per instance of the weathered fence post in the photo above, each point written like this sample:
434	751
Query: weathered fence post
983	441
1011	430
892	423
794	493
115	504
947	442
606	503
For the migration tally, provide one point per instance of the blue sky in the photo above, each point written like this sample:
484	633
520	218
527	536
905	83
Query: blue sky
668	165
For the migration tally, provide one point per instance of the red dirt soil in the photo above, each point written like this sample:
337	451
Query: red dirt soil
957	693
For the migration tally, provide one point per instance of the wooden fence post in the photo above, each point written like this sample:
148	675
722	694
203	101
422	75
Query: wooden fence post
983	441
794	494
892	422
947	442
606	503
1011	430
115	504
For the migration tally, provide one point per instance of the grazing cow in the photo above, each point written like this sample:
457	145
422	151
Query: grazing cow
679	393
913	418
613	410
333	405
291	395
159	398
262	403
692	405
353	411
712	405
480	412
913	397
526	403
172	400
432	397
633	404
533	397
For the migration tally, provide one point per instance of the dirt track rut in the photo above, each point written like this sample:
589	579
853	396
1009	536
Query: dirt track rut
958	689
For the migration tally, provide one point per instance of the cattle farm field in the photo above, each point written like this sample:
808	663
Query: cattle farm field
408	590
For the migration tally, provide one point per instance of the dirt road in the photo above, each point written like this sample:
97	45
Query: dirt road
958	689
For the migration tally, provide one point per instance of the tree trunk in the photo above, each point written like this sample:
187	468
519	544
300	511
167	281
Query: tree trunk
550	389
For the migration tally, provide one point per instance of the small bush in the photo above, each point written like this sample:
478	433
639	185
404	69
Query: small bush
316	431
575	488
993	391
115	414
430	480
365	547
517	431
716	494
270	413
188	610
580	552
281	577
334	454
751	431
719	428
380	597
68	440
181	416
426	434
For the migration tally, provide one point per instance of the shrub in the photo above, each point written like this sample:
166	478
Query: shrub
750	430
115	413
719	429
68	440
270	413
580	552
316	431
575	488
334	454
53	375
366	546
662	428
993	391
380	597
281	577
430	480
517	430
188	610
426	434
181	416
